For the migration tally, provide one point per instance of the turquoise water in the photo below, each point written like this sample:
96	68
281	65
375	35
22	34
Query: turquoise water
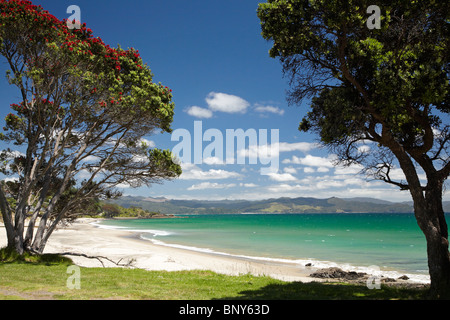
389	241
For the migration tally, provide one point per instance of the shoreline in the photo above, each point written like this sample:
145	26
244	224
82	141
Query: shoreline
85	237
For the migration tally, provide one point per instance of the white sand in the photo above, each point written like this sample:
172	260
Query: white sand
85	238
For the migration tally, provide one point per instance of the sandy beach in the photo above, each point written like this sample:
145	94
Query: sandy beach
83	237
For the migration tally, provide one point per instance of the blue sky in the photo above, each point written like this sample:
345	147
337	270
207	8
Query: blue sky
212	55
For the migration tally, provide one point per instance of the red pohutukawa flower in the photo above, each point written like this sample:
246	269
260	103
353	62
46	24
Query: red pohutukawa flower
104	71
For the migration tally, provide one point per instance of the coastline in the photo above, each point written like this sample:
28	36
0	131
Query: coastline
82	237
85	237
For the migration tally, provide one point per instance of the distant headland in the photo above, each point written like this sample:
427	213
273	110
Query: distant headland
279	205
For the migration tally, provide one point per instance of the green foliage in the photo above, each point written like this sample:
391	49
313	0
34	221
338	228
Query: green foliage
98	79
360	79
117	80
163	159
111	210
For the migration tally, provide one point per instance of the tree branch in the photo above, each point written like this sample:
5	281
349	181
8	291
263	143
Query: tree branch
128	264
99	258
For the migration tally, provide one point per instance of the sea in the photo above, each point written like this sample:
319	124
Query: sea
387	243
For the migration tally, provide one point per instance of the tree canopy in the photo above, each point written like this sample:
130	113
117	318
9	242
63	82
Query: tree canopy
81	125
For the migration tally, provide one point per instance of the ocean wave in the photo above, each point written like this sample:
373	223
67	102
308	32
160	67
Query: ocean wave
155	233
98	224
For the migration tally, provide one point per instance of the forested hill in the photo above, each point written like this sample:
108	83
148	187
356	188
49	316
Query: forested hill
280	205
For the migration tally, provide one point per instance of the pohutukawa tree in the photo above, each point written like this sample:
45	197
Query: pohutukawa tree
79	130
387	88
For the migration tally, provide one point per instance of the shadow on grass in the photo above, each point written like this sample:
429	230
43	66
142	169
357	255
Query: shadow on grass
329	291
9	255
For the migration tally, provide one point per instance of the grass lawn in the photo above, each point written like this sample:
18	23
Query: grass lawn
46	278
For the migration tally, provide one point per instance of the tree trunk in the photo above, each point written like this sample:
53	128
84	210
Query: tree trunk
438	264
30	231
37	242
32	220
435	228
15	241
431	220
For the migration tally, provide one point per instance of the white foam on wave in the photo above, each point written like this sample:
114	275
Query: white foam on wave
98	224
155	233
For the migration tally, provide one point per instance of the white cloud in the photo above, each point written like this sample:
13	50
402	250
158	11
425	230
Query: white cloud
397	174
13	154
140	159
283	188
297	146
149	143
192	172
84	174
210	185
437	133
320	186
337	181
364	149
91	159
309	170
123	186
282	177
259	151
199	112
270	150
248	185
213	161
290	170
226	103
329	183
312	161
269	109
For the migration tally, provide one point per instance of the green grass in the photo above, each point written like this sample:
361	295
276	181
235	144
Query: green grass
9	255
46	277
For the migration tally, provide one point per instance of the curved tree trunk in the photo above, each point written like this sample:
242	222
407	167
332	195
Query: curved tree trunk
15	240
434	226
430	217
431	220
438	264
